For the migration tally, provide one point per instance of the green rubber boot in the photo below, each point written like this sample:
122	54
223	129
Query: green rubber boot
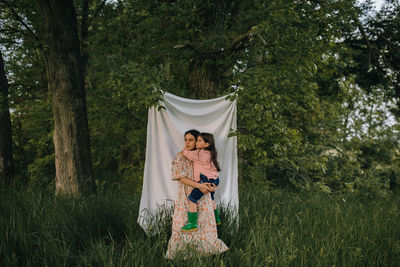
217	219
192	222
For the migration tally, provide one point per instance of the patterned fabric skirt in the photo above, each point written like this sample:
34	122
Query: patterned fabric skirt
205	239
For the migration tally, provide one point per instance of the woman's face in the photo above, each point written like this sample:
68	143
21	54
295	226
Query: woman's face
190	142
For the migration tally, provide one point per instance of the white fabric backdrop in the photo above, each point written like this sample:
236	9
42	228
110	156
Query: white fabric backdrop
165	130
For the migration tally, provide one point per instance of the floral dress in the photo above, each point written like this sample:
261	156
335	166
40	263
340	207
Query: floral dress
205	239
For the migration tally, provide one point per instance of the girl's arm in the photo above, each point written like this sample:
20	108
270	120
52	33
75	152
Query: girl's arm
191	155
197	155
202	187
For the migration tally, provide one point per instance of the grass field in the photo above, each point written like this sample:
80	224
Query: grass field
277	228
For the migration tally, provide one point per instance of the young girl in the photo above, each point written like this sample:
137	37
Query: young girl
205	168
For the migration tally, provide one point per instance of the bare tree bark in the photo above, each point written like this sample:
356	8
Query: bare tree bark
6	160
204	80
204	76
66	82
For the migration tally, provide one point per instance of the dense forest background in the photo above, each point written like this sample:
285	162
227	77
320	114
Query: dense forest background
317	84
318	91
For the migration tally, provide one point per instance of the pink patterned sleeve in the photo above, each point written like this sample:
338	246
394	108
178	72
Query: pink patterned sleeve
178	168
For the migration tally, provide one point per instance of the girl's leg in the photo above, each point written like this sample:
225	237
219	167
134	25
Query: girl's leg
192	213
192	206
217	218
216	213
192	218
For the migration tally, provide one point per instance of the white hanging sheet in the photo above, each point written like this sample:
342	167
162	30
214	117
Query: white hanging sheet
165	138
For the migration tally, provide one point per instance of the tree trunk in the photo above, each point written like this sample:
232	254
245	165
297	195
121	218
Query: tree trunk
205	78
6	161
66	83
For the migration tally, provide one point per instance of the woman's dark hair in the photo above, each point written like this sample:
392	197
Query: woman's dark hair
193	132
209	138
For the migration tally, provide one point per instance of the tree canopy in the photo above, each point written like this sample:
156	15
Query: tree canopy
317	84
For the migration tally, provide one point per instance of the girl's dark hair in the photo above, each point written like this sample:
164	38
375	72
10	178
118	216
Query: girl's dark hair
209	138
193	132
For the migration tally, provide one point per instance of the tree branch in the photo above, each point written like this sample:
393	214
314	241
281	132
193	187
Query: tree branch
384	38
84	34
84	22
18	18
364	35
373	47
248	35
84	31
96	12
240	39
262	39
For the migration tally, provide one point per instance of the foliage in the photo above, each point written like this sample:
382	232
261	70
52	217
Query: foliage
118	144
376	50
313	112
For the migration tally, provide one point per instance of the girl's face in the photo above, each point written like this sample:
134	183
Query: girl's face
190	142
200	143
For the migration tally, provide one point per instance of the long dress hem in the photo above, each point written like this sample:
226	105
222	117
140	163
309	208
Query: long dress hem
203	241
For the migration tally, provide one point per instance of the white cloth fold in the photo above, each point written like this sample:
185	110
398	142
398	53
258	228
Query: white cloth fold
165	130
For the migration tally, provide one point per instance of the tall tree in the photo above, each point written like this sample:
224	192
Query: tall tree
34	31
66	83
6	160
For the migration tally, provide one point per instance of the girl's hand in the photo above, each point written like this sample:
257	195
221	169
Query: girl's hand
180	154
203	188
211	187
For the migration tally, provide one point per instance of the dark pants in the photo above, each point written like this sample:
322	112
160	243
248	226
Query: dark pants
196	194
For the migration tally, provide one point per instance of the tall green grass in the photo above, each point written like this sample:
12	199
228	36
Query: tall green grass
277	228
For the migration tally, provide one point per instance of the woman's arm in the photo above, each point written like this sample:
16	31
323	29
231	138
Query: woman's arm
202	187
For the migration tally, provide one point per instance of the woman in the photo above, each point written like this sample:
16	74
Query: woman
205	239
